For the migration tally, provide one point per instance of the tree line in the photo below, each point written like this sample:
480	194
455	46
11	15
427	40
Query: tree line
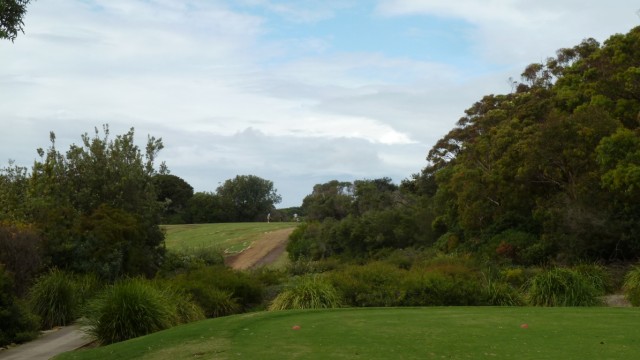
547	173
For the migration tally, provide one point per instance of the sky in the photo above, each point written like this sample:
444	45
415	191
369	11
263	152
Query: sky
299	92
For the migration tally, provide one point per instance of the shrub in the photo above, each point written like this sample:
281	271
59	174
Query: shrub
21	254
372	284
631	286
445	282
176	262
128	309
186	310
17	324
562	287
503	294
219	290
54	298
307	292
597	276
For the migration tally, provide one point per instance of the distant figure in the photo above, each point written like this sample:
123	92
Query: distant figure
269	217
295	217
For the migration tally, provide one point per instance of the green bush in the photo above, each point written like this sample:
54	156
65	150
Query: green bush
372	284
185	309
184	260
221	291
596	275
17	324
307	292
443	283
631	286
128	309
562	287
503	294
54	298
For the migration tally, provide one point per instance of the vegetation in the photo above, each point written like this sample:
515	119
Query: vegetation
17	324
307	292
410	333
12	13
54	298
128	309
632	286
562	287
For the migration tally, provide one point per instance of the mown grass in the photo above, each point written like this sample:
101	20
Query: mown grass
231	238
394	333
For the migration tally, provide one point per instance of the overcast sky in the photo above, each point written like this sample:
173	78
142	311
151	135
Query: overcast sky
299	92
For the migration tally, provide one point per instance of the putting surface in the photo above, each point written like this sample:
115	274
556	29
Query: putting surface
395	333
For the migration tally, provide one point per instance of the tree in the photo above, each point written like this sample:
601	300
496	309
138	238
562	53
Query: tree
333	199
205	207
96	205
175	193
11	18
248	197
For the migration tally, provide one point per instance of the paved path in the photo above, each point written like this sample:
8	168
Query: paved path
48	345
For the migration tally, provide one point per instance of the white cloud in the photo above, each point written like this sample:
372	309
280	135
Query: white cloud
230	99
508	31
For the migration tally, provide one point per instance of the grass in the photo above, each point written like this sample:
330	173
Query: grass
231	237
394	333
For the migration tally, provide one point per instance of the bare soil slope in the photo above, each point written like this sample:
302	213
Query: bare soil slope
263	251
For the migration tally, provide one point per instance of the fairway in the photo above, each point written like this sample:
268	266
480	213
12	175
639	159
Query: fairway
230	237
395	333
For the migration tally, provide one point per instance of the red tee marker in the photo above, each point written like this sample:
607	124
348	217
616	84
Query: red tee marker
524	326
296	327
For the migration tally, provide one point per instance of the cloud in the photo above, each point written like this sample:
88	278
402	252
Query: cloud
266	87
508	31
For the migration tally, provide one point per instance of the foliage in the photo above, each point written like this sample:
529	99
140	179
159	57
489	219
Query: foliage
128	309
205	208
562	287
175	193
11	18
21	254
94	206
329	200
632	286
369	285
17	324
444	281
548	171
177	261
247	198
307	292
219	290
54	298
503	294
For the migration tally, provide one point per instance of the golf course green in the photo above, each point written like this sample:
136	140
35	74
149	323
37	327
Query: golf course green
394	333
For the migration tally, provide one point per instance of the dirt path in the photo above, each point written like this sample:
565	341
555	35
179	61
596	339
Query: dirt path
263	251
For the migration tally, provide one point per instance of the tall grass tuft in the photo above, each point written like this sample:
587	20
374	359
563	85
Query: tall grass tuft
54	299
632	286
128	309
307	292
562	287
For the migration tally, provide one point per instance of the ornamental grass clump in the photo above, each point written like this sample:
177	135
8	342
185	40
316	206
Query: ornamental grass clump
307	292
632	286
54	299
562	287
128	309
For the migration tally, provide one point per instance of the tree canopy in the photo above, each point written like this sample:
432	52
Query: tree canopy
547	172
12	13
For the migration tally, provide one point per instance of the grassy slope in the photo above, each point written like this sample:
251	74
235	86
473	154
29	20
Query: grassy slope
396	333
232	238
